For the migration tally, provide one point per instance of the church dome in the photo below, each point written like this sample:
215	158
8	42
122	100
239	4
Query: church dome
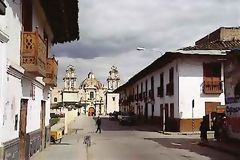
91	82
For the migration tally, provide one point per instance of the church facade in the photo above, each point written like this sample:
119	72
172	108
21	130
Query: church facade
91	97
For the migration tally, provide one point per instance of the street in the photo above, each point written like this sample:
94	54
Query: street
126	142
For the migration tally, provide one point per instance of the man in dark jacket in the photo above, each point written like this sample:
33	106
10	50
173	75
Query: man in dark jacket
98	123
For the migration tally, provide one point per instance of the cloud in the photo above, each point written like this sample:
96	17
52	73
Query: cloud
111	30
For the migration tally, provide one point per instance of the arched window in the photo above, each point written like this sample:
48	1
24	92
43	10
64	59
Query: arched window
91	95
55	99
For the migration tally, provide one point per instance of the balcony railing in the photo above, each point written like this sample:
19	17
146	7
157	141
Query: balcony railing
160	91
212	85
51	75
170	90
33	53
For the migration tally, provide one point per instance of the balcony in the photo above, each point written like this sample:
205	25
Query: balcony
51	72
33	53
170	90
160	91
212	85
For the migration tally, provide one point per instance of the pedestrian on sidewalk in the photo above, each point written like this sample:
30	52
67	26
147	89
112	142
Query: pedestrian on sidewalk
98	123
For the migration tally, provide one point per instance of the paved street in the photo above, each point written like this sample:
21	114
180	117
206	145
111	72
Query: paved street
128	143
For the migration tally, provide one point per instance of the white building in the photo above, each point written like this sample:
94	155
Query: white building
88	98
92	96
181	87
28	70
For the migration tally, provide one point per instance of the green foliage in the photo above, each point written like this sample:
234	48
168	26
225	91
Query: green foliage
54	121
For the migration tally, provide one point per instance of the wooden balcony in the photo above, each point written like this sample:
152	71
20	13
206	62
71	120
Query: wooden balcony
212	85
170	90
51	72
33	53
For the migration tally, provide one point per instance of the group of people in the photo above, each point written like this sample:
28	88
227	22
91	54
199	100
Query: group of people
219	127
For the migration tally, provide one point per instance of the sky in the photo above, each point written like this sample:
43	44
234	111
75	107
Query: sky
111	30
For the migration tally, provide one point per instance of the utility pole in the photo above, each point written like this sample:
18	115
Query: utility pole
193	125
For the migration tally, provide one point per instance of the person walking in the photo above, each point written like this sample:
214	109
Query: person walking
203	131
98	123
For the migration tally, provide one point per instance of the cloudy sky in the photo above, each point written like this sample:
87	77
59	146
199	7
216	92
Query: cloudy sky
111	30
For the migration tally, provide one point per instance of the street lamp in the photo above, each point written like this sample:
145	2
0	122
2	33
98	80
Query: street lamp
140	49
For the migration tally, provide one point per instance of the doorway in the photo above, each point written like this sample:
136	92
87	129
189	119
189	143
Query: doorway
91	111
211	107
22	129
42	125
146	111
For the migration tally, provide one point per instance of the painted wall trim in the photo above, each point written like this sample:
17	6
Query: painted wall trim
14	70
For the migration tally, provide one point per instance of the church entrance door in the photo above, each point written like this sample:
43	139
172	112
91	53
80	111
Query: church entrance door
91	111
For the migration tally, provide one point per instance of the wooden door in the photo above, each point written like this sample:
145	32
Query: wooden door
209	108
91	111
22	129
42	125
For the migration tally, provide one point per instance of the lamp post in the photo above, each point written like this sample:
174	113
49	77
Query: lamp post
142	49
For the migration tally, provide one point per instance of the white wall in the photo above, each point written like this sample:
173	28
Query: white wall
158	100
10	108
112	105
12	89
71	97
190	80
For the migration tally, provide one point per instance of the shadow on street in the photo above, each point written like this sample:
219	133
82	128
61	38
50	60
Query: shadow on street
191	145
113	125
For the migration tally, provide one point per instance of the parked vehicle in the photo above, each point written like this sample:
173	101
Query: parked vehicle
114	115
127	118
56	136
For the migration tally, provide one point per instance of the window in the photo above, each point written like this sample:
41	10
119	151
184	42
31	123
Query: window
27	15
171	75
161	110
166	110
113	98
32	91
91	95
172	110
212	69
2	8
146	86
16	122
152	110
161	80
55	99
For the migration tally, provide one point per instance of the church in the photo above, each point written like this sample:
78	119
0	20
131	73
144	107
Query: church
90	97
